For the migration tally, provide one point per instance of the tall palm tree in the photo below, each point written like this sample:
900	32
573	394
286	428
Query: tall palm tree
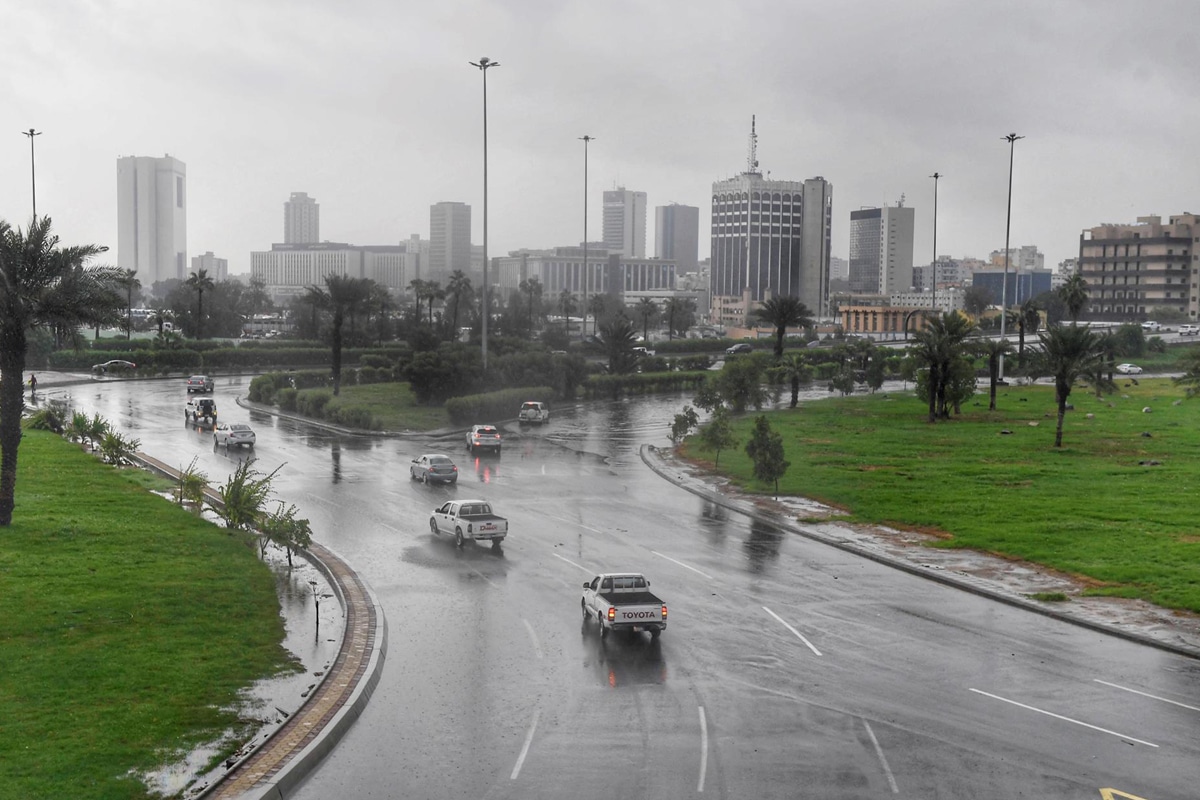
130	282
1068	351
1074	294
619	335
993	350
41	284
343	294
459	288
532	289
1027	319
646	310
200	282
567	303
679	312
426	290
937	346
782	312
795	369
159	318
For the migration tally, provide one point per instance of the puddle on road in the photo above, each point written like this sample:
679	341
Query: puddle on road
265	706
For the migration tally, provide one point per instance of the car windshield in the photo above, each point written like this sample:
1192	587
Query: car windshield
239	427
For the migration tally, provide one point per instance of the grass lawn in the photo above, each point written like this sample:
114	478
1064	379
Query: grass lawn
1089	509
130	625
394	405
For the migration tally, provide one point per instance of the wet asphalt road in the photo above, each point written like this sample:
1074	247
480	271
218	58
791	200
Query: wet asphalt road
788	669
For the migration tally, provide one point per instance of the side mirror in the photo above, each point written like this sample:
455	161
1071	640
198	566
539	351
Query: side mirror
587	585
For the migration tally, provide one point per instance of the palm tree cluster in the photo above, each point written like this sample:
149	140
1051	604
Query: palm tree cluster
939	349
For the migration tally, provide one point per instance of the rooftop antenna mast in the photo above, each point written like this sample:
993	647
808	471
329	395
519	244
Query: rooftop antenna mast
752	155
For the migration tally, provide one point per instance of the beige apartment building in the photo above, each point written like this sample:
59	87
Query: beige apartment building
1138	271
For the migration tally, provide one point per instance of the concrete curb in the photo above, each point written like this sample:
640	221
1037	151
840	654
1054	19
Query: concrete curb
653	457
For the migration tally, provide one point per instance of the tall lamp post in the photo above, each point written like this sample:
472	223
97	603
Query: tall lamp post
1012	140
483	65
583	324
32	168
935	177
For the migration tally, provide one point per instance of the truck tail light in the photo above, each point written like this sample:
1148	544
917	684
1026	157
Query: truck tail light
612	613
664	610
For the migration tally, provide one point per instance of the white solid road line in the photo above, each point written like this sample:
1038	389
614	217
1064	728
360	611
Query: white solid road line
1064	719
1145	694
532	635
573	564
798	634
703	750
882	760
680	563
525	747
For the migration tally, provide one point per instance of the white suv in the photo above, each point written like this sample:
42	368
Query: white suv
1150	325
1189	330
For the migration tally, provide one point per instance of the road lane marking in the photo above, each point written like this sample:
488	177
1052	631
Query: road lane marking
882	760
537	647
798	634
1144	694
525	748
703	750
1065	719
680	563
573	564
576	523
1114	794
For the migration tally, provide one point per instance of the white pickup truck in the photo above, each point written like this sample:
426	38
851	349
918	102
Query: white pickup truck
468	519
622	601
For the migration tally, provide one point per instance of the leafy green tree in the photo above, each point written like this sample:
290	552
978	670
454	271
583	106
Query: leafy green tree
1074	294
683	424
619	336
41	285
192	485
1190	364
200	282
992	350
243	497
976	300
765	450
843	380
680	313
283	528
739	384
718	433
1068	352
782	312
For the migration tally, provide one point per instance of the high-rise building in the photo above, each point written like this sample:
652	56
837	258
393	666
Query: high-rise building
769	238
152	218
215	268
1139	270
677	235
449	241
301	220
625	222
881	250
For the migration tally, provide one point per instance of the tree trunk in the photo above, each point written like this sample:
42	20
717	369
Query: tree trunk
1062	412
795	390
932	386
337	350
12	401
994	376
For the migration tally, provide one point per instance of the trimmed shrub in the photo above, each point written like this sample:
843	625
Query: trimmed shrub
312	402
351	417
504	404
262	389
286	398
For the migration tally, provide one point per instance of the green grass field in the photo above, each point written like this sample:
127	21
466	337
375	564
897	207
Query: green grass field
1091	508
130	626
395	407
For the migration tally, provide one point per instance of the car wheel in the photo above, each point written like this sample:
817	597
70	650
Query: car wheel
496	544
458	537
250	445
583	608
603	630
433	527
412	474
425	478
654	634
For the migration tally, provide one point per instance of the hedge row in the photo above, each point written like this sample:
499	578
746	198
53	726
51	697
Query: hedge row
321	404
601	386
504	404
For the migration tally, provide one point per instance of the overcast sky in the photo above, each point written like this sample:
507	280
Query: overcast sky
370	106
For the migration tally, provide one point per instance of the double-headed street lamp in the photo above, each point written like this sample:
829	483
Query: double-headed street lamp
32	169
1012	140
583	324
483	65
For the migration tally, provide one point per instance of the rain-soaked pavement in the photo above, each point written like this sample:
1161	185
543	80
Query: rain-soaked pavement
790	668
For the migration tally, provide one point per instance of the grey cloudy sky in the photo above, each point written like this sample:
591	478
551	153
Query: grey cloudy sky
370	106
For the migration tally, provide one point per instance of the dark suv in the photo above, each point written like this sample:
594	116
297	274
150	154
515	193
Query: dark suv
741	347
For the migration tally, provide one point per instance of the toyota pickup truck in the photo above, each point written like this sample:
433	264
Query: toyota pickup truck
622	601
468	519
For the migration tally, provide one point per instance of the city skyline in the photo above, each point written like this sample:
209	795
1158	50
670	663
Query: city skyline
874	98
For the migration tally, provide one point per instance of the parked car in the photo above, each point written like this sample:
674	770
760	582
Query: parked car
741	347
483	437
533	412
116	365
433	467
233	433
1128	369
1189	330
200	411
199	383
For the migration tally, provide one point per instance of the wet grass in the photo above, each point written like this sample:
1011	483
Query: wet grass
395	407
1091	509
130	626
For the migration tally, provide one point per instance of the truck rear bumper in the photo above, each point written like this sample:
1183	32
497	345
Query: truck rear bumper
636	626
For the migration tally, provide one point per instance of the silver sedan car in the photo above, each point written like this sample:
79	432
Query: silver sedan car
433	467
233	433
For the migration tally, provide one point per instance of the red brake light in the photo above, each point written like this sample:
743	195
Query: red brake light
612	613
664	610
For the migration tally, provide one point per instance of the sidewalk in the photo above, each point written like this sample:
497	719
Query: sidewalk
1002	580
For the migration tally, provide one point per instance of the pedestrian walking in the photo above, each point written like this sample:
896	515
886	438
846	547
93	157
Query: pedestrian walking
32	383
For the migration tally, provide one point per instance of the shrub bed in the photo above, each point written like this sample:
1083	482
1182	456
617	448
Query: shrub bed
494	405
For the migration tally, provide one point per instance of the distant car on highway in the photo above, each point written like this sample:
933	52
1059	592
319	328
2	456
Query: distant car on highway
199	383
1129	369
116	365
233	433
433	467
741	347
1151	325
1189	330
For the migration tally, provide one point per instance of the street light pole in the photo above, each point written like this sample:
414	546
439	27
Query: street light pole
1012	140
32	167
483	65
583	323
935	177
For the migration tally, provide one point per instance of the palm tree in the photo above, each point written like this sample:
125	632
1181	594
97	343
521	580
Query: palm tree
567	304
343	294
200	282
680	313
41	284
993	350
426	290
459	288
795	369
159	317
782	312
1074	294
130	282
646	310
532	289
1026	318
938	346
619	335
1068	352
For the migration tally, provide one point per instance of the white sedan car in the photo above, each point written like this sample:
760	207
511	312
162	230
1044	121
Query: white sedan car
1128	369
231	433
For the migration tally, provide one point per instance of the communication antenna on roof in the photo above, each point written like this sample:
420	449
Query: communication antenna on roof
752	156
